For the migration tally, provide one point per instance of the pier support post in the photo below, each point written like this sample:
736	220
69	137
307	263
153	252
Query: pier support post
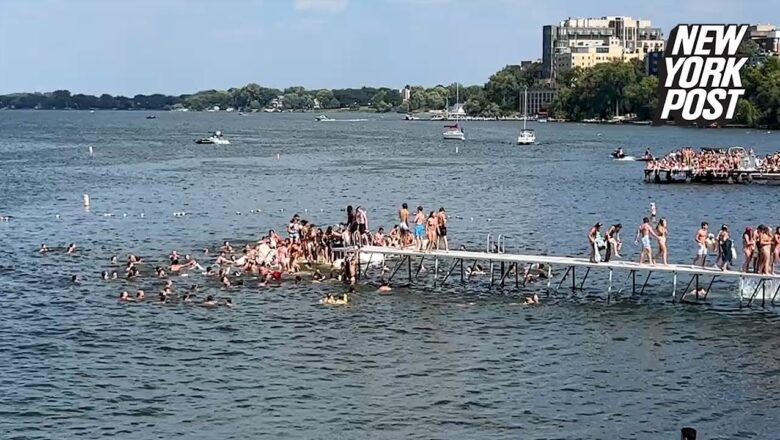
573	279
461	270
674	286
517	276
435	270
457	262
565	274
775	295
609	285
397	266
645	283
709	286
587	271
419	268
409	264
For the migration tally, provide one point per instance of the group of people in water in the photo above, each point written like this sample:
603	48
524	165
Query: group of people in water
760	246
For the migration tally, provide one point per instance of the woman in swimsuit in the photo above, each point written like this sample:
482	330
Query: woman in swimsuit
613	241
777	248
764	250
661	231
431	228
442	232
748	248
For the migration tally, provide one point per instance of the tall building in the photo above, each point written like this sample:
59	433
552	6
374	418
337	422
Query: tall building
767	37
591	41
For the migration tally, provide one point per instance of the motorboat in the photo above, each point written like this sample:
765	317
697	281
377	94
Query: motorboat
151	117
411	117
542	120
527	136
323	118
215	139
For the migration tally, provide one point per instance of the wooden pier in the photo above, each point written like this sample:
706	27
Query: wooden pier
501	267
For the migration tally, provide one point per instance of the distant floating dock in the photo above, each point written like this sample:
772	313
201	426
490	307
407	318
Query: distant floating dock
501	267
709	177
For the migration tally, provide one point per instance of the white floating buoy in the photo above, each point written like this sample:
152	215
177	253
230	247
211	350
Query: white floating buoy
124	215
322	210
472	218
306	210
142	215
251	211
489	219
86	200
91	152
238	213
456	149
277	156
281	209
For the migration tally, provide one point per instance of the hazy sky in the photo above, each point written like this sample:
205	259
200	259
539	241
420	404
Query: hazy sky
181	46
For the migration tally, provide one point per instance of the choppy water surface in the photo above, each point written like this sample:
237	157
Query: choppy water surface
454	362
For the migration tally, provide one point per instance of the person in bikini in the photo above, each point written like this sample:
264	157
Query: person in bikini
748	248
644	233
701	243
764	250
432	225
661	233
613	242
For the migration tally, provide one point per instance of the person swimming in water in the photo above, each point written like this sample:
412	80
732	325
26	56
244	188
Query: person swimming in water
71	249
124	296
140	295
385	287
532	300
228	303
44	249
209	302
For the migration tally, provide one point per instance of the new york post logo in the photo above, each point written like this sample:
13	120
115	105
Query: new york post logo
699	81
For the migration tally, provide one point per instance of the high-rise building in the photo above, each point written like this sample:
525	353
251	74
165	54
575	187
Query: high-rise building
591	41
767	37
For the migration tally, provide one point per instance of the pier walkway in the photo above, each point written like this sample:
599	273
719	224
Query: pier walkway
753	286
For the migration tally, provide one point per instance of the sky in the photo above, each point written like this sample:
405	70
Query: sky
182	46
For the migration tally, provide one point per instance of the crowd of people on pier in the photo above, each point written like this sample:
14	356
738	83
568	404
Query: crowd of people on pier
715	160
321	254
760	245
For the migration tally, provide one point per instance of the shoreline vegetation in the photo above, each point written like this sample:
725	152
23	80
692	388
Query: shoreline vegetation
600	93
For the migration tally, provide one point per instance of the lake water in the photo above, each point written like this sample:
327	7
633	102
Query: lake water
462	362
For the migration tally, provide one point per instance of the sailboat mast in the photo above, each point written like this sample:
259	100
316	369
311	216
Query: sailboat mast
525	106
457	101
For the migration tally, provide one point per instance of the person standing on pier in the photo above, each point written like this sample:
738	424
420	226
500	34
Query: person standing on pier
644	232
403	218
419	228
442	234
613	242
661	233
593	255
701	242
726	248
748	248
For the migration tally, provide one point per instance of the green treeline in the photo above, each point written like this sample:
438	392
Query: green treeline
602	92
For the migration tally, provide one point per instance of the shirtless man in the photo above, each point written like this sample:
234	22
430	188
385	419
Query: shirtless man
442	218
419	228
701	242
644	232
403	217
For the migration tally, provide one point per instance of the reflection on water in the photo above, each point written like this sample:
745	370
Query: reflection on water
454	362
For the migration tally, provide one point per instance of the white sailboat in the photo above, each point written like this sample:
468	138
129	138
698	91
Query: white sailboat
454	132
527	136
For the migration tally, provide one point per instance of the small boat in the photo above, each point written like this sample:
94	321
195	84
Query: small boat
454	132
542	120
323	118
527	136
411	117
215	139
151	117
619	154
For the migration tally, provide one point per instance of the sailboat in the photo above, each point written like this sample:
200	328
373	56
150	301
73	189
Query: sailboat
527	136
454	132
